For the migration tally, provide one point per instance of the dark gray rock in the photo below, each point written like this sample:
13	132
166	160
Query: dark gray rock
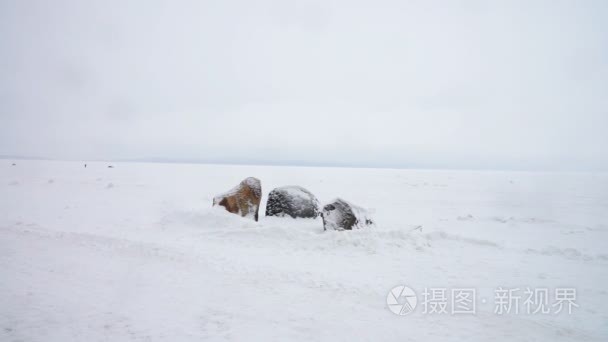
342	215
294	201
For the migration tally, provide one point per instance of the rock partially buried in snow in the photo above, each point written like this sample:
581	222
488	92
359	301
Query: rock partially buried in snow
292	200
243	200
342	215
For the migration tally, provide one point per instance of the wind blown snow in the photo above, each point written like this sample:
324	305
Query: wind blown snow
137	253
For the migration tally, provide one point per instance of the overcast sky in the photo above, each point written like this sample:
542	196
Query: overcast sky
449	84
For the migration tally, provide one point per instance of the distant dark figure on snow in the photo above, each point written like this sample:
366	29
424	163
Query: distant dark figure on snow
110	167
85	166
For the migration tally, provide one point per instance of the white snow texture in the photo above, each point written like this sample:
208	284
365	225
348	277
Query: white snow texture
137	253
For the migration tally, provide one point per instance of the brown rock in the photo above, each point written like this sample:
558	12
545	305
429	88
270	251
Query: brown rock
243	200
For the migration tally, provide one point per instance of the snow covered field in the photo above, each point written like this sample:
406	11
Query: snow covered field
136	253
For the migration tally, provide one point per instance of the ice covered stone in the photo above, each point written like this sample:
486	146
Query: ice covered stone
294	201
243	200
342	215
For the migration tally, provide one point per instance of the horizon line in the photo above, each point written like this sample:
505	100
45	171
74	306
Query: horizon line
295	163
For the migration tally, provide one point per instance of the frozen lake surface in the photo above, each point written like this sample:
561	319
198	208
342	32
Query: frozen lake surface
136	253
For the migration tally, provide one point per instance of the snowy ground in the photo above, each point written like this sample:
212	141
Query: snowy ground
136	253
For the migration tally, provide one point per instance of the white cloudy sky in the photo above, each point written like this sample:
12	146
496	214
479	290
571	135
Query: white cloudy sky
462	84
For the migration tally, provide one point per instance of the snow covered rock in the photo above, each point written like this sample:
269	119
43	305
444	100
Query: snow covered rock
244	199
292	200
342	215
